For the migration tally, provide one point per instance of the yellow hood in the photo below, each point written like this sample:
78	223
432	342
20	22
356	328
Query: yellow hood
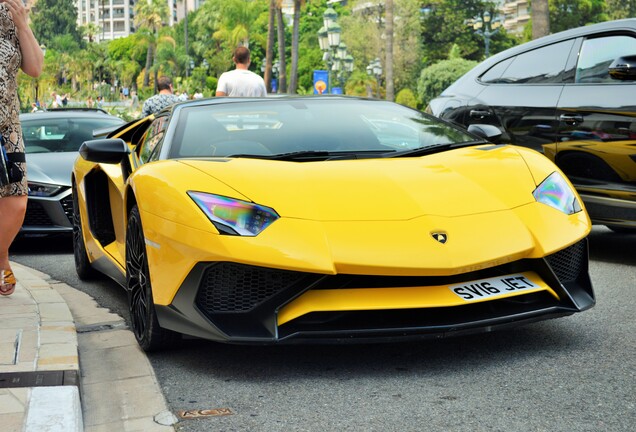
454	183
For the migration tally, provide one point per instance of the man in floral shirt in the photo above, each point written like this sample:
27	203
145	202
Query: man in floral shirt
162	99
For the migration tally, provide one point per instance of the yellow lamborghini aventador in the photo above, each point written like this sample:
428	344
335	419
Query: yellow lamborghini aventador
325	219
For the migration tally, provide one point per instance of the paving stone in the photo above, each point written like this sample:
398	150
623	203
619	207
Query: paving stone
54	312
12	401
123	399
101	365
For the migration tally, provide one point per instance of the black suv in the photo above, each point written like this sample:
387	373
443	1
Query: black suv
572	97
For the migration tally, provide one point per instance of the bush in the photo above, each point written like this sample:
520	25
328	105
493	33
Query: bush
437	77
407	98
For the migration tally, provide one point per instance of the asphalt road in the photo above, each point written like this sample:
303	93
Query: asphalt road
571	374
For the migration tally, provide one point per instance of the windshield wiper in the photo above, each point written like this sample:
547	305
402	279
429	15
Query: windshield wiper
435	148
316	155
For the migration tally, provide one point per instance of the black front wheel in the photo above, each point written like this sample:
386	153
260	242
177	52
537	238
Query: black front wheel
143	317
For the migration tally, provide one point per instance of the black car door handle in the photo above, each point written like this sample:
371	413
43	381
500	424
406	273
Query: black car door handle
479	113
571	118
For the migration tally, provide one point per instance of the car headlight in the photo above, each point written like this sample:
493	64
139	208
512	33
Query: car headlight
234	217
43	189
557	193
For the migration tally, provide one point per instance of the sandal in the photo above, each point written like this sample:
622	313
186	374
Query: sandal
7	282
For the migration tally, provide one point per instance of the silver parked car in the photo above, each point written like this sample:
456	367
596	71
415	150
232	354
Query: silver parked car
52	139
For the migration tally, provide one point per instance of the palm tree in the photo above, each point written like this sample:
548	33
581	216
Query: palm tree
90	31
269	51
388	16
540	18
282	70
149	17
293	79
237	18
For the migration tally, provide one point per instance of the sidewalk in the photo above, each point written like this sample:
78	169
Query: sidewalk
68	365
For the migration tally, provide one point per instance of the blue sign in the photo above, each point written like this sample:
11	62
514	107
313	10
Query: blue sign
321	80
274	85
336	90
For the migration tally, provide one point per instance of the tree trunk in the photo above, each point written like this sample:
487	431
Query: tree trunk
269	52
540	18
293	80
148	66
389	50
282	70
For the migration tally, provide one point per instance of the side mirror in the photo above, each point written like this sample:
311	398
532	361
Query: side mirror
109	150
623	68
485	131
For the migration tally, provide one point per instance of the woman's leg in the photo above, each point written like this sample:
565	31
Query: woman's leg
12	210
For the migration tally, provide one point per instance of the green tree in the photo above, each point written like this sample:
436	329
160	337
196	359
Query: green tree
53	18
89	31
363	32
435	78
567	14
618	9
445	22
309	53
406	98
130	54
149	17
223	25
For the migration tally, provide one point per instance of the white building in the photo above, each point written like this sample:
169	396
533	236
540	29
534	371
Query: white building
516	14
115	18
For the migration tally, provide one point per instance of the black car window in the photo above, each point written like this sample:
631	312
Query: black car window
271	127
44	135
493	74
151	146
597	54
540	66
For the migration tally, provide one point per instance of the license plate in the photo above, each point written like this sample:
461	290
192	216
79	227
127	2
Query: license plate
494	287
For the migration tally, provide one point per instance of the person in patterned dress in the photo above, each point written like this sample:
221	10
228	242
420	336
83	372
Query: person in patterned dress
18	50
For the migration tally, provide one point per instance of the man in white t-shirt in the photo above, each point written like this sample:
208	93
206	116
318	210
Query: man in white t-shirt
241	81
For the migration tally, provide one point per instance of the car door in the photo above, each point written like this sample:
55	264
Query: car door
521	94
596	144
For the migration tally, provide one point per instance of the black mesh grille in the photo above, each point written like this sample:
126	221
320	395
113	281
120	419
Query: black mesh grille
568	263
36	216
67	205
229	287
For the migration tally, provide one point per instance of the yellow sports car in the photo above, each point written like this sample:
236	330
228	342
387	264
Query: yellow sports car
325	219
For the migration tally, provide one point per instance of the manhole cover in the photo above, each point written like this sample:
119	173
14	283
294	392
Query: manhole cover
39	379
191	414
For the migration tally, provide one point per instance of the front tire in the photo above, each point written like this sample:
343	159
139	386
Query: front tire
143	317
83	266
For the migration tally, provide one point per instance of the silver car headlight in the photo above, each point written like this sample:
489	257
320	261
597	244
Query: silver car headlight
232	216
43	189
556	192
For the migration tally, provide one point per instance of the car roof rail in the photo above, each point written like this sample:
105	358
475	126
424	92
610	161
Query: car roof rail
101	110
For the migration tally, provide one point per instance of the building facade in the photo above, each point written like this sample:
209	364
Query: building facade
515	14
115	18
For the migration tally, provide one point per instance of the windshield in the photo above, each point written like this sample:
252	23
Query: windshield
61	134
278	127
